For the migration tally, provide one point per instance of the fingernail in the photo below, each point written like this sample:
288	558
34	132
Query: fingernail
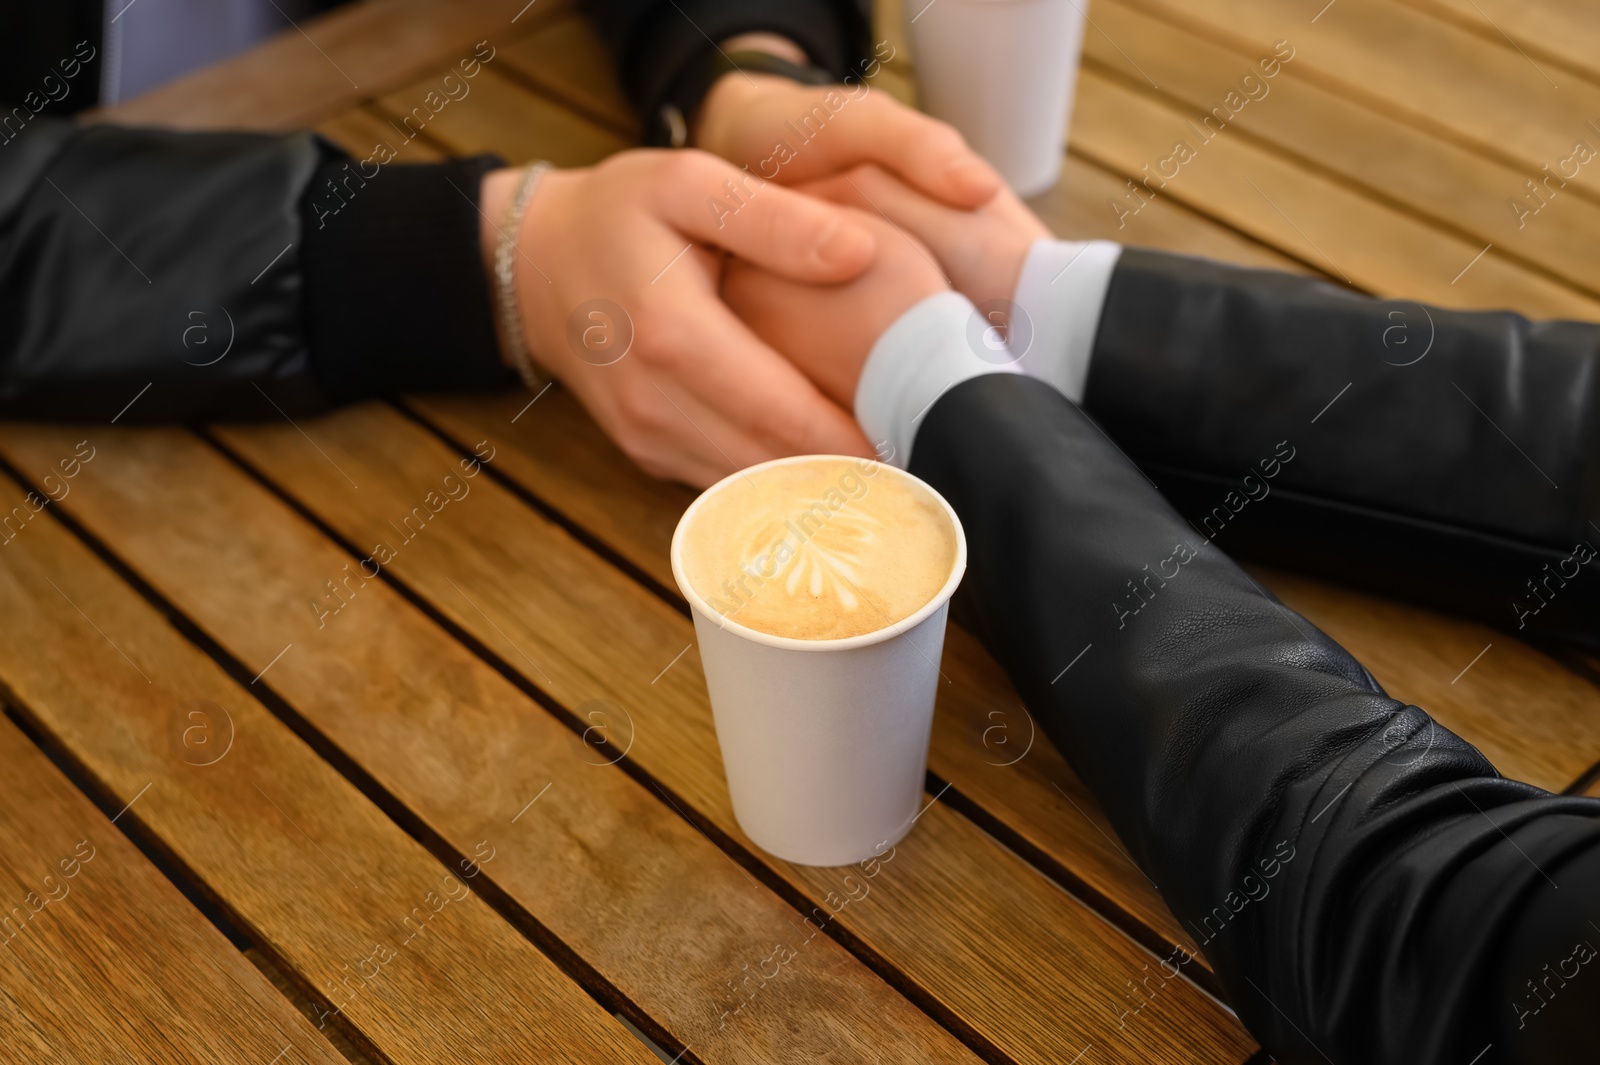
973	175
845	244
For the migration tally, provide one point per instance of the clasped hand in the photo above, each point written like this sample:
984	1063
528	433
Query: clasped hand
712	307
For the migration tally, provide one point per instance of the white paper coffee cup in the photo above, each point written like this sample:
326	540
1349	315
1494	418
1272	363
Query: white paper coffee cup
1003	73
824	742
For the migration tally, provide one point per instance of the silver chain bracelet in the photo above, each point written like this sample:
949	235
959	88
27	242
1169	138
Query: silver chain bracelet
505	275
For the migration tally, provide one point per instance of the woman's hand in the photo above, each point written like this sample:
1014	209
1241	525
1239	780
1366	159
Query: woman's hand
829	329
981	250
618	271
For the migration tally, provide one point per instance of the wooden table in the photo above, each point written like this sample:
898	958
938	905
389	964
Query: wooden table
268	801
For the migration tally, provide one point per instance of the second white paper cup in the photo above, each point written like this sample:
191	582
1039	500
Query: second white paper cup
1003	73
824	742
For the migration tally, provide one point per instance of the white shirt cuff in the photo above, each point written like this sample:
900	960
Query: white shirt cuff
929	349
1061	291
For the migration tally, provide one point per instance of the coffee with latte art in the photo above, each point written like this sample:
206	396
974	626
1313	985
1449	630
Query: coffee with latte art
821	549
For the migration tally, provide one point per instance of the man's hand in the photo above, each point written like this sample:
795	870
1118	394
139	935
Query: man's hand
829	329
790	133
981	250
618	270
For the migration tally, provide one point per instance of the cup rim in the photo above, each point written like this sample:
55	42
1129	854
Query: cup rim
701	608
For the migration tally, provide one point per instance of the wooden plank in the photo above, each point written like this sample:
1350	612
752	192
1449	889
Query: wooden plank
301	860
1075	209
594	857
948	915
1560	35
1372	246
499	115
566	60
1385	159
1593	787
1435	76
104	959
891	26
330	63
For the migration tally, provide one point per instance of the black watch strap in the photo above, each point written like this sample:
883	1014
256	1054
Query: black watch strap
669	120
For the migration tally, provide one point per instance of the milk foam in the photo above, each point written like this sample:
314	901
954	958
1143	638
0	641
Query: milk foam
821	549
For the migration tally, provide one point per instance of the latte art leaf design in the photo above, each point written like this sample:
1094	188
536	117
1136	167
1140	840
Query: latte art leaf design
816	548
825	564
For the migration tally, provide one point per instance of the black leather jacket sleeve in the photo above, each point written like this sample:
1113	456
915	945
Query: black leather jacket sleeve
155	276
1449	455
1366	886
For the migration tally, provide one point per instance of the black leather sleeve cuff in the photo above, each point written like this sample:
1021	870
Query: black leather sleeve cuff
396	298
